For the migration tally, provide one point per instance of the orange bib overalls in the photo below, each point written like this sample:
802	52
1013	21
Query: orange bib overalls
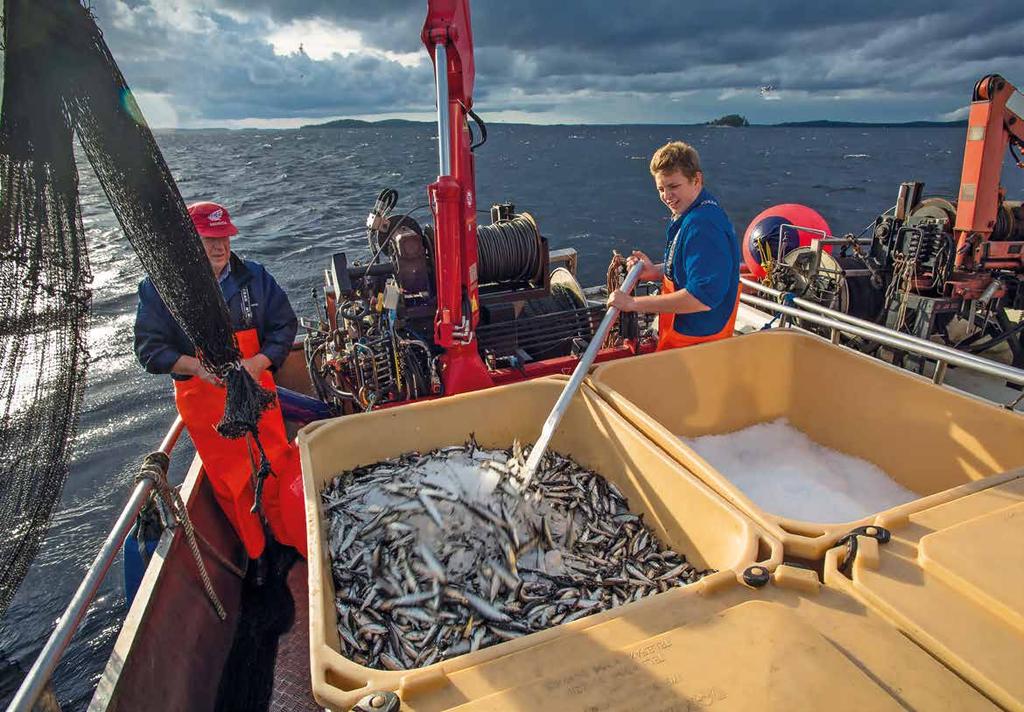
229	463
669	338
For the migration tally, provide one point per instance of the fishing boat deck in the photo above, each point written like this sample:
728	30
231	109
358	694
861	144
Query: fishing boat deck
292	684
173	648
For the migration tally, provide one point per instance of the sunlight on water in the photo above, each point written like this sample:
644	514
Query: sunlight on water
110	345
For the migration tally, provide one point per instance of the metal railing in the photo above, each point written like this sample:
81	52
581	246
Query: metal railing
35	682
839	323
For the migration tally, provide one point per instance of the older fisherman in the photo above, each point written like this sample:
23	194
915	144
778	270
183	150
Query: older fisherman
265	327
700	275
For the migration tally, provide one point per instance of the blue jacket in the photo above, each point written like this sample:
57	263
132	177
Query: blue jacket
159	341
702	256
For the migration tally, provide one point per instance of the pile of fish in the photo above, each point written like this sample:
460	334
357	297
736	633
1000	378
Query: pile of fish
442	553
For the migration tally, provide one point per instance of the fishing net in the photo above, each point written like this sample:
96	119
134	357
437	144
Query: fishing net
60	80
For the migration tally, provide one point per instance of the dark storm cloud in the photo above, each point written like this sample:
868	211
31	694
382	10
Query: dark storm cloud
596	60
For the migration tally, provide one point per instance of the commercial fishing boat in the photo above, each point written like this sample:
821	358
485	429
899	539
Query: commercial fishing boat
916	606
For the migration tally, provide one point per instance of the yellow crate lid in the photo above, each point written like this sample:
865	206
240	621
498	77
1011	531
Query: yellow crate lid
791	645
952	578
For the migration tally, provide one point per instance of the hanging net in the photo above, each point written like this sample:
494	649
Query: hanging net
60	81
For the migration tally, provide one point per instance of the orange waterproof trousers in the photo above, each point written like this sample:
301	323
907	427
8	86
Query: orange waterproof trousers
229	463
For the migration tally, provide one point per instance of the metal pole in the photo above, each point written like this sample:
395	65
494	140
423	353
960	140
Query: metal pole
908	342
443	131
34	683
887	337
171	438
551	424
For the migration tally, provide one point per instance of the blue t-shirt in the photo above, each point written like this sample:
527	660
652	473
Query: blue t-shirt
702	256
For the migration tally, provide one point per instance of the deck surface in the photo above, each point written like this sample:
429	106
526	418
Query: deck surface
292	685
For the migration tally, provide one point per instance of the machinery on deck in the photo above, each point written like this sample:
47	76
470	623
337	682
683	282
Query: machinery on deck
450	307
928	261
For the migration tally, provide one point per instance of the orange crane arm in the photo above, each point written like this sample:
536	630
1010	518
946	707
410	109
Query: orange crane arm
996	122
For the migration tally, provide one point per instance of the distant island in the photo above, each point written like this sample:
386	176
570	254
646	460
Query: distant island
732	120
360	124
874	124
729	120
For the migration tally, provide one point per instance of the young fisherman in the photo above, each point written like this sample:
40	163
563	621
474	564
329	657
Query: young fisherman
700	274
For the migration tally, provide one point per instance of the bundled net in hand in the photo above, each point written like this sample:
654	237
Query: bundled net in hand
60	80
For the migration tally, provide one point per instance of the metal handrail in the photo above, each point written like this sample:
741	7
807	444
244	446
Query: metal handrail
844	323
35	682
912	342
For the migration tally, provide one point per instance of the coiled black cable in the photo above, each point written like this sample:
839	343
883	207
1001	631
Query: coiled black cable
509	251
382	207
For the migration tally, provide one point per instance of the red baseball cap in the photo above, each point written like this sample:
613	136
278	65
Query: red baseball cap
212	220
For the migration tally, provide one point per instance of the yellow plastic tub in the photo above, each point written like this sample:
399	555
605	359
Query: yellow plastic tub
791	645
684	512
936	443
952	579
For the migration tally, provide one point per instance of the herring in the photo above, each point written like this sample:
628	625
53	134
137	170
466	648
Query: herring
443	553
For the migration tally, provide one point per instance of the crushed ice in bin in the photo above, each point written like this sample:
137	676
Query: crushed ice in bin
786	473
439	554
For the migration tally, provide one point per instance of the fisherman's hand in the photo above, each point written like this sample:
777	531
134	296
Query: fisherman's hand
650	271
256	365
205	375
622	301
191	366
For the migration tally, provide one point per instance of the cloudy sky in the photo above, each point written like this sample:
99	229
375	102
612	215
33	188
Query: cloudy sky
280	63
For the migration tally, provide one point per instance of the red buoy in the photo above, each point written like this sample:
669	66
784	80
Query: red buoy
767	225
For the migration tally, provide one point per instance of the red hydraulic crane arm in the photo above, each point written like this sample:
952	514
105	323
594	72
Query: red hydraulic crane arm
996	120
448	37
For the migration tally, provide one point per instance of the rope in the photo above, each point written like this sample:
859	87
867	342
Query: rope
221	559
615	277
787	299
767	261
154	468
1014	403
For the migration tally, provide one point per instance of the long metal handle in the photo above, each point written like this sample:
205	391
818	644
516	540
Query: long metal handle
551	424
34	683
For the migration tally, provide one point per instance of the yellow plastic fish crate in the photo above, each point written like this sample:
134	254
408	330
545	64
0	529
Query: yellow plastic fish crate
789	646
951	579
684	512
937	443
